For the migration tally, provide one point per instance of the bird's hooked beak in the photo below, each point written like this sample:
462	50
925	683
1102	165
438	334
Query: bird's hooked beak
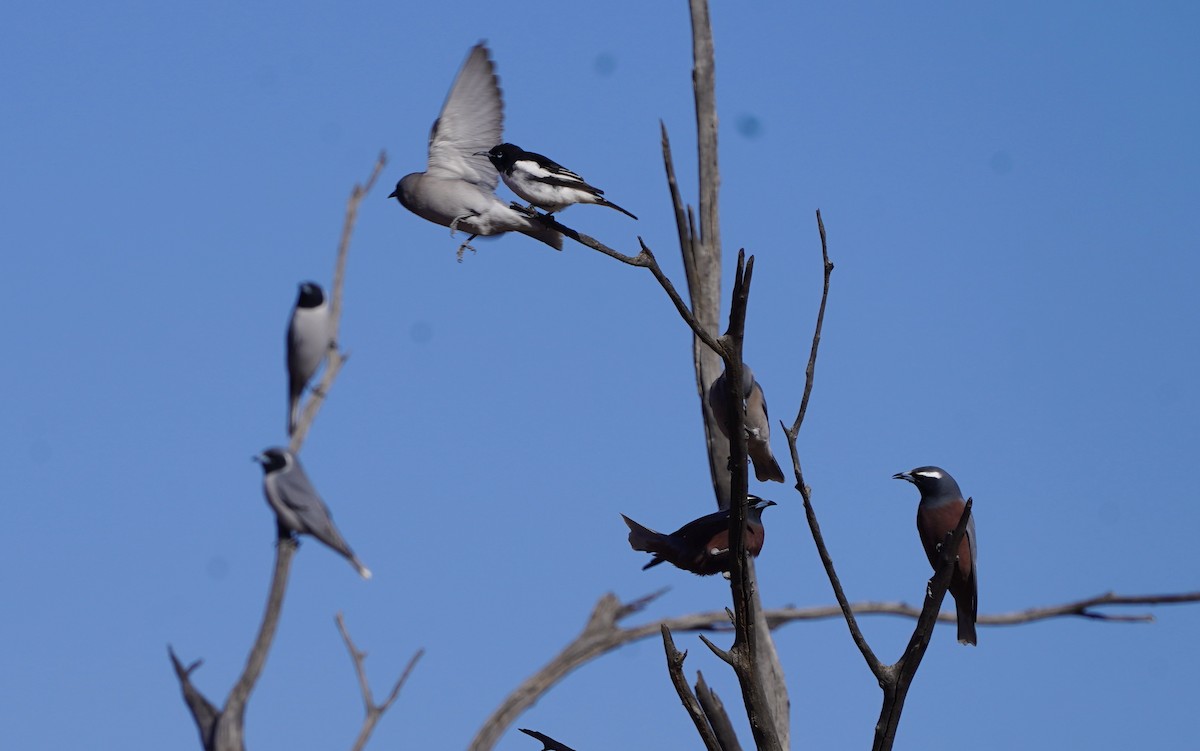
482	153
259	458
905	476
763	503
395	193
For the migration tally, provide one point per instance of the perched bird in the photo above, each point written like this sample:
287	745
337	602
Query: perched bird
298	508
309	336
457	189
758	425
544	182
938	514
702	545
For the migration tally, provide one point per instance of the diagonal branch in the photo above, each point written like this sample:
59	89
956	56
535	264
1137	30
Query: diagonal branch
898	678
718	718
373	711
203	712
675	660
644	259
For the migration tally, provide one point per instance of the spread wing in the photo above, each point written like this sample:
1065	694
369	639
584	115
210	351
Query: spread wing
472	120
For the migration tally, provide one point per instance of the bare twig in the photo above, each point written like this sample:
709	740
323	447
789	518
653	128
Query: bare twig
793	432
373	711
203	712
337	358
675	660
644	259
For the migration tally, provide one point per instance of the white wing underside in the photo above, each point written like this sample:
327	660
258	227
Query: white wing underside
471	121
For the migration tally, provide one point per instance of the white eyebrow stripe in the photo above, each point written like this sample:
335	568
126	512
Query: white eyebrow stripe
931	473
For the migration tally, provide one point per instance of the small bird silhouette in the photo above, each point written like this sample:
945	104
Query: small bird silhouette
309	337
543	182
938	514
758	424
298	509
457	189
702	545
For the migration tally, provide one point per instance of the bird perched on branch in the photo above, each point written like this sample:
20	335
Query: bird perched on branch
938	513
758	424
702	545
298	509
309	337
457	189
543	182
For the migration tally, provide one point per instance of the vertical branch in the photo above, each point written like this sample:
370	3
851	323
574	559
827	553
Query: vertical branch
337	358
703	269
704	84
753	656
223	730
232	718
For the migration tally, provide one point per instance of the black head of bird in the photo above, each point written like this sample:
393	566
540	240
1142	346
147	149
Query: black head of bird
702	545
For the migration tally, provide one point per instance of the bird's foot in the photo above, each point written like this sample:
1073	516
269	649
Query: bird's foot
529	210
465	247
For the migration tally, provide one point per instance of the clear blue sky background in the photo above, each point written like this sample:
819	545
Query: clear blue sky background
1010	195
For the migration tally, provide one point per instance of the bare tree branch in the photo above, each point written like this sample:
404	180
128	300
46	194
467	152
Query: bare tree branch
793	432
337	358
203	712
898	678
230	722
602	634
675	660
703	270
644	259
718	719
752	655
223	731
373	711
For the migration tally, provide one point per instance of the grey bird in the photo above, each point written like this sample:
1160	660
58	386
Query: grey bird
543	182
298	509
938	513
457	188
309	337
758	424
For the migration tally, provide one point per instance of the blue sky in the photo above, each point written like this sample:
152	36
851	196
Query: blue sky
1010	197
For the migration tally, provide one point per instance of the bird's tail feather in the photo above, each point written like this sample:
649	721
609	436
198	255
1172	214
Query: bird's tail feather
765	467
363	571
966	620
611	205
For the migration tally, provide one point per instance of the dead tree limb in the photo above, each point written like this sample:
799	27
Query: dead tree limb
223	730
